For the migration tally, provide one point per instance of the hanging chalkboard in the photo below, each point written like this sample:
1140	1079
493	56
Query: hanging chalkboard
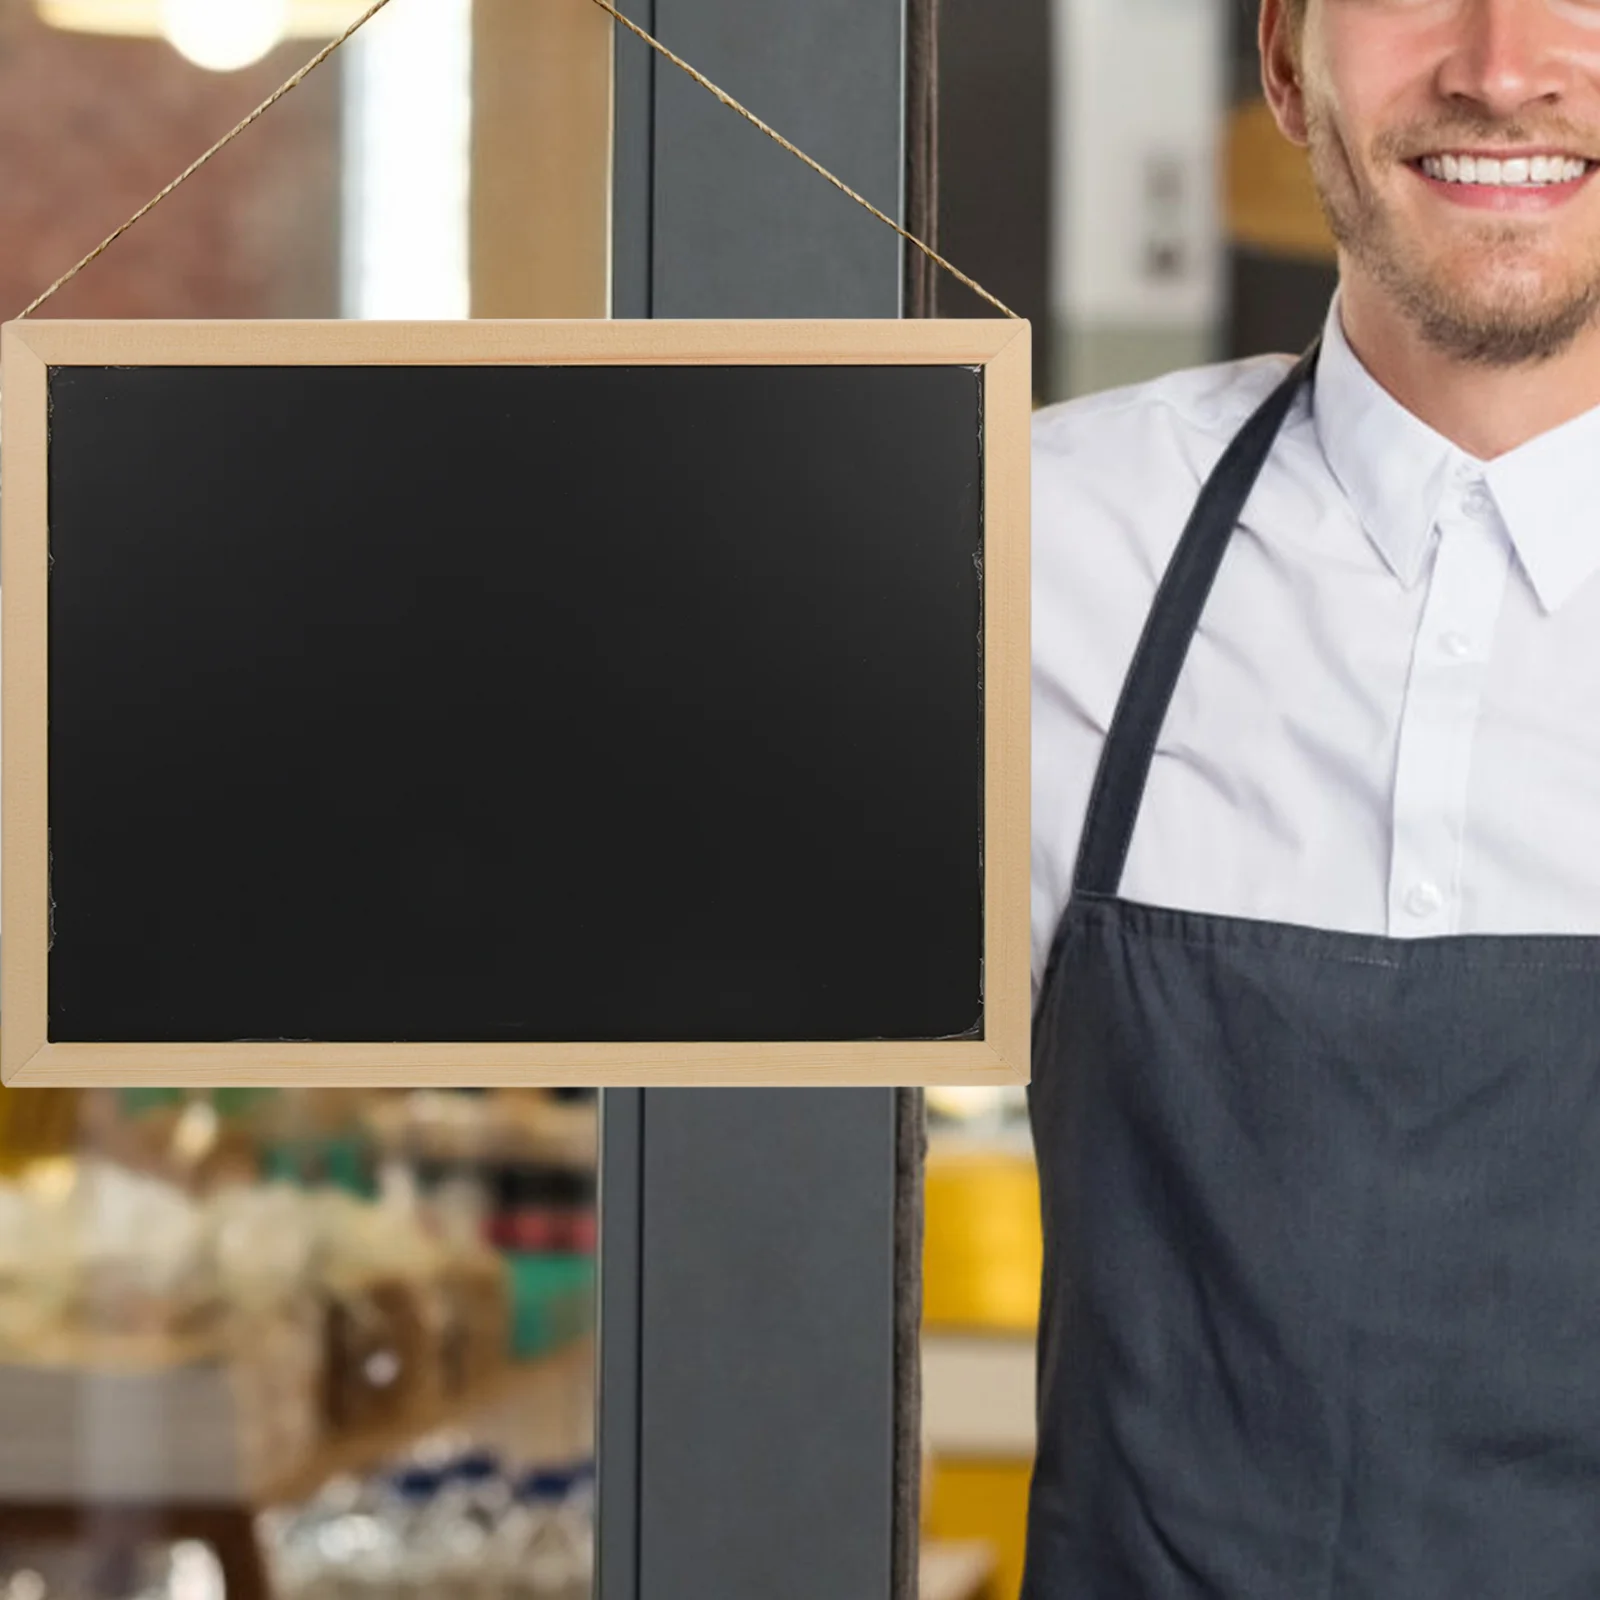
569	702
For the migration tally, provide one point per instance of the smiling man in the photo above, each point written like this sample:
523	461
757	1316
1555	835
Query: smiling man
1316	875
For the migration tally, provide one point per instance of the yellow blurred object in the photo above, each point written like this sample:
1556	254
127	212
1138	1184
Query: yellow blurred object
985	1500
982	1248
1272	202
36	1125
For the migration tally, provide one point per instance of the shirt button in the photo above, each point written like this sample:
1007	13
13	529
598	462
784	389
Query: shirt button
1423	899
1476	502
1455	645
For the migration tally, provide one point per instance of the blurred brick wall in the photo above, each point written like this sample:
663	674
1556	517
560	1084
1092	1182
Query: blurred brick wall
91	127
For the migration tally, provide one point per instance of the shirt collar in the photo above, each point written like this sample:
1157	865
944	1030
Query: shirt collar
1399	476
1546	491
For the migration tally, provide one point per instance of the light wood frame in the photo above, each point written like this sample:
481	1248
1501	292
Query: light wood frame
28	350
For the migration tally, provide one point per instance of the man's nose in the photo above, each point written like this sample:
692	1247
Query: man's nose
1508	55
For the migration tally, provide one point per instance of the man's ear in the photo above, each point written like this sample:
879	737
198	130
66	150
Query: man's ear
1279	38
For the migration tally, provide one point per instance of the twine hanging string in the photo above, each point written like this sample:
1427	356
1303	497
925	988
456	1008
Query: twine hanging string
611	11
817	167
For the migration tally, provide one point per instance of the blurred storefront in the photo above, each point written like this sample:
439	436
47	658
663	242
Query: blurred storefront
1109	168
299	1343
336	1343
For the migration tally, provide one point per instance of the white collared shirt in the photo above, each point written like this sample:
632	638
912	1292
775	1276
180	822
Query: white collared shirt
1389	720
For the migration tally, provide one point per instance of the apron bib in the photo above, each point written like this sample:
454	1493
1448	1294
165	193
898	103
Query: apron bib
1321	1305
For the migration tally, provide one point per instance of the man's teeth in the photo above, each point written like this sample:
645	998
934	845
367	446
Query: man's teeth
1525	171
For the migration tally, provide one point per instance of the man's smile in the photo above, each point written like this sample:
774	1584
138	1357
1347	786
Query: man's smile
1514	181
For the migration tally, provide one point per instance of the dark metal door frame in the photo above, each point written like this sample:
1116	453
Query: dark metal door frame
760	1249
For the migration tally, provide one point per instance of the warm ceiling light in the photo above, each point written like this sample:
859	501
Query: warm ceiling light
220	34
224	35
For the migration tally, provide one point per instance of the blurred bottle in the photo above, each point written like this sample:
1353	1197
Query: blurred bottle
450	1542
301	1563
372	1550
580	1509
545	1546
450	1529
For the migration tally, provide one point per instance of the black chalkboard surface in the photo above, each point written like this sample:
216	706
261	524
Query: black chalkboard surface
549	712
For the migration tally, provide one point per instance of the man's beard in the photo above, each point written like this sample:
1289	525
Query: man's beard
1515	326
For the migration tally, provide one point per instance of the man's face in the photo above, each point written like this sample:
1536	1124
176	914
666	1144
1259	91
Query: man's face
1454	143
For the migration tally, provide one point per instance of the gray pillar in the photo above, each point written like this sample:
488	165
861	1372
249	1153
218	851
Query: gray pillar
752	1375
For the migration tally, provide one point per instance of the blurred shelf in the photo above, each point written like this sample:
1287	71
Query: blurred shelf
439	1130
523	1387
538	1410
555	1394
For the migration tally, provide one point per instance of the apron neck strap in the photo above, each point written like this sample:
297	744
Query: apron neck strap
1147	691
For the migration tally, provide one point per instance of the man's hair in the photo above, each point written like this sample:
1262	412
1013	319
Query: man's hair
1296	12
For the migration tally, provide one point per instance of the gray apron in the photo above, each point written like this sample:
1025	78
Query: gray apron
1321	1302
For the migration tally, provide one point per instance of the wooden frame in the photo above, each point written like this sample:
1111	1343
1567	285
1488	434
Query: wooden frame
29	350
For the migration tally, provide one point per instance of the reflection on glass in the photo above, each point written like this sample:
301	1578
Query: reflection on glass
327	1344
